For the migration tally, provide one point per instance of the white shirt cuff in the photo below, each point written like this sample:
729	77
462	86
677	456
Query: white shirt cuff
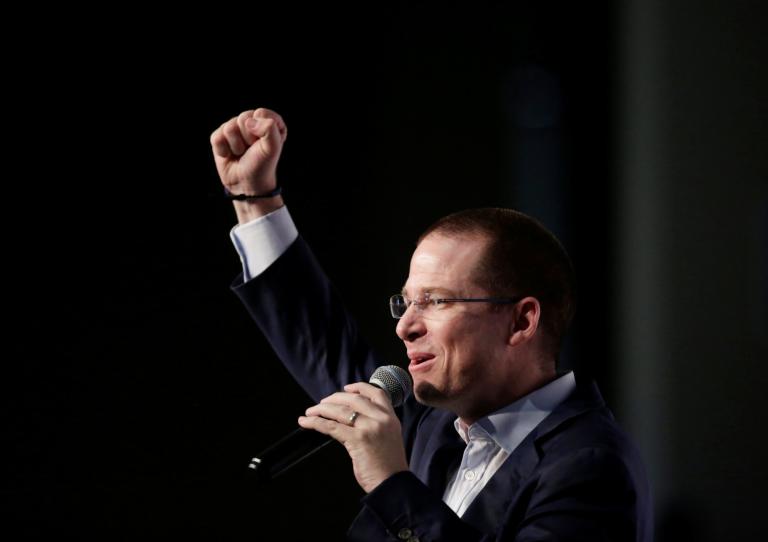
260	242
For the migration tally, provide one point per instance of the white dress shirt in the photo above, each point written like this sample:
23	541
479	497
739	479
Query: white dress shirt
490	440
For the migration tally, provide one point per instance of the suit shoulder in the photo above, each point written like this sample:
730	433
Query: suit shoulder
592	444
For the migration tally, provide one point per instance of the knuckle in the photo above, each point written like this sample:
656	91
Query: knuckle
331	428
333	398
230	129
359	402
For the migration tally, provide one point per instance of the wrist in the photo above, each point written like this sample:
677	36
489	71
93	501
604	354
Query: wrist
251	209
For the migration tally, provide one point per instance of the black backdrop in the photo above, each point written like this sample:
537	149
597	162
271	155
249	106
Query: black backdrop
138	387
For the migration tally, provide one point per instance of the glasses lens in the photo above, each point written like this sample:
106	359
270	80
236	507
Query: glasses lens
397	306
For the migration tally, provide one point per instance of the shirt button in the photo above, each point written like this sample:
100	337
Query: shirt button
404	534
469	475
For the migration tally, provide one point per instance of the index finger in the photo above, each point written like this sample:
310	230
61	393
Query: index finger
355	401
371	392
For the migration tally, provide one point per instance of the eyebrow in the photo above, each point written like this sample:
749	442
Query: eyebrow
432	289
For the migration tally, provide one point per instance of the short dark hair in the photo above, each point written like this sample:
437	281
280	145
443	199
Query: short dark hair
522	258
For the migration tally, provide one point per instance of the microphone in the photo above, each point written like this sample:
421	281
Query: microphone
302	443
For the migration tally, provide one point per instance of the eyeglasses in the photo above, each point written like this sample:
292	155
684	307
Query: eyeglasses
429	305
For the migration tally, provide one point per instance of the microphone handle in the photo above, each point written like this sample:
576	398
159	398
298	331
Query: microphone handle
286	452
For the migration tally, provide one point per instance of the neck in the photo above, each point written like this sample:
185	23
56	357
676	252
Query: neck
536	378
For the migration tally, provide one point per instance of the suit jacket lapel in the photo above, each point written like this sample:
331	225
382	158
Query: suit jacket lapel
437	457
489	507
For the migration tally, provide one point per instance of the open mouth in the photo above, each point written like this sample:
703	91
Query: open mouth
420	361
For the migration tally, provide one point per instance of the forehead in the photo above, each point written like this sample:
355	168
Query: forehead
445	262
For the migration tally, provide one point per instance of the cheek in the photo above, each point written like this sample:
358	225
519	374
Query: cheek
471	346
459	344
448	337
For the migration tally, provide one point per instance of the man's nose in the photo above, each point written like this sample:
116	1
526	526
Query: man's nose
411	326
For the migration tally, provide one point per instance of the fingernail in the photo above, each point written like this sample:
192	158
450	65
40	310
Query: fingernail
251	123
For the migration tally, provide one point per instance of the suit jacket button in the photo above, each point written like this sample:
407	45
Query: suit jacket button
404	534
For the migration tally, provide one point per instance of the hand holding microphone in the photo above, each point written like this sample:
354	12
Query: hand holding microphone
362	418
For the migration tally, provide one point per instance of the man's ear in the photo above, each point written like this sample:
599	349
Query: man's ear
525	321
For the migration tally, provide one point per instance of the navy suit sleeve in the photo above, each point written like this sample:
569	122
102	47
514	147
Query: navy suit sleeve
302	316
401	508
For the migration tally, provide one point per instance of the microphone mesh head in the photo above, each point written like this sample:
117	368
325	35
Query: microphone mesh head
395	381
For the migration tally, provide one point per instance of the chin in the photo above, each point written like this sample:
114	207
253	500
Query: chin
427	394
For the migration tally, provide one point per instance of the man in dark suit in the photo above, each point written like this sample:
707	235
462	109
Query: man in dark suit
495	445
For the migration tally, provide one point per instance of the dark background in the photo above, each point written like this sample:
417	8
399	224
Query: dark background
138	388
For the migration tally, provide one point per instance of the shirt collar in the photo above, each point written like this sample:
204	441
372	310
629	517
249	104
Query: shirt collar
508	426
